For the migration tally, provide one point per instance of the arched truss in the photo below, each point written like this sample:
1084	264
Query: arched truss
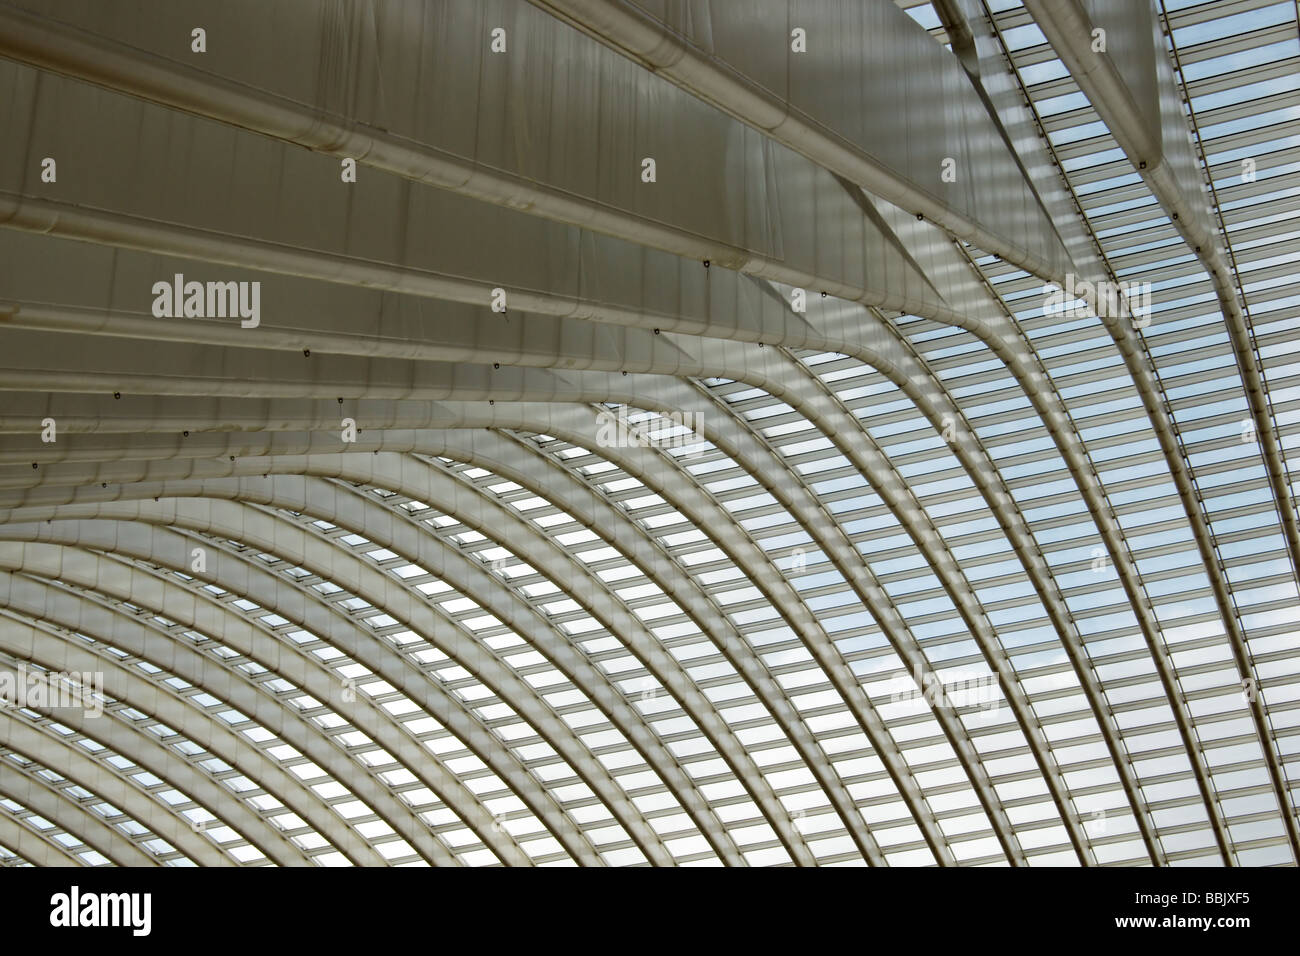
653	566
